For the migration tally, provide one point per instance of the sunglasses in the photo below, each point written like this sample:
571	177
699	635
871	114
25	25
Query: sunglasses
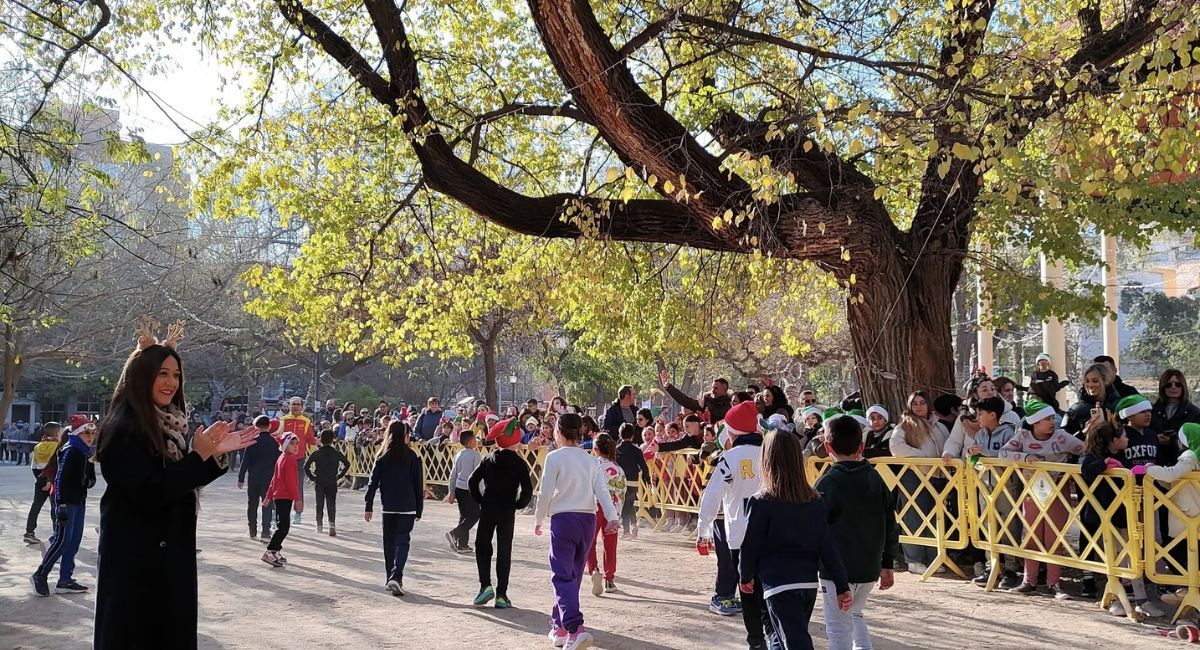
1173	384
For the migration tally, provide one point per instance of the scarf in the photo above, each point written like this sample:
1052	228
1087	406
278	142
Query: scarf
173	424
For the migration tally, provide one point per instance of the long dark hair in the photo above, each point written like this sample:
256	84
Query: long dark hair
606	446
1100	437
783	476
395	442
132	408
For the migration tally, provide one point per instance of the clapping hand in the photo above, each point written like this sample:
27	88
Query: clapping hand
221	438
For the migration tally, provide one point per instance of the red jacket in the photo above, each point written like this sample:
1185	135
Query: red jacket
285	484
301	427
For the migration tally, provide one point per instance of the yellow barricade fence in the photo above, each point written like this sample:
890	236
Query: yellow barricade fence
1026	510
679	480
930	503
1177	557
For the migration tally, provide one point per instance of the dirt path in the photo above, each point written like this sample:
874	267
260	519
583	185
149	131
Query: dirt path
331	594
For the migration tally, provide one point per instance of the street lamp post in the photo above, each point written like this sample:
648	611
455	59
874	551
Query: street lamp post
512	388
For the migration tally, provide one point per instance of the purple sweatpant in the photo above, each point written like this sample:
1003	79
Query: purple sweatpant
571	535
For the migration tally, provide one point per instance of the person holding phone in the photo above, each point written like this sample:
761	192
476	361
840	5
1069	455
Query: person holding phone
1096	404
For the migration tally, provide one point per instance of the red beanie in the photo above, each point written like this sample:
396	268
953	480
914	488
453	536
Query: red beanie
506	433
742	417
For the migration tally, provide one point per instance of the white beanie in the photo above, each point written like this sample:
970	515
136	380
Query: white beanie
1042	357
878	408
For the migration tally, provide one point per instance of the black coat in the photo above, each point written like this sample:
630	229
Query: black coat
1185	413
613	418
146	594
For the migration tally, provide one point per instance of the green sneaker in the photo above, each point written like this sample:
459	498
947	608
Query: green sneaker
503	603
485	595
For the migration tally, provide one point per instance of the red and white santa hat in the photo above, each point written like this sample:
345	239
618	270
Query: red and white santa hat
742	418
79	424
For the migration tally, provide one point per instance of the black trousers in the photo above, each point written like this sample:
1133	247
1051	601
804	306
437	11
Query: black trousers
35	510
283	523
758	627
501	524
254	496
326	496
629	508
727	571
790	612
468	514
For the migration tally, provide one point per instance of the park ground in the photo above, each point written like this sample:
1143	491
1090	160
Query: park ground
331	594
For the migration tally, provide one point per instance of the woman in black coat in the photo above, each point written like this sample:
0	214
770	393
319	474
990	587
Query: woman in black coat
146	592
1172	410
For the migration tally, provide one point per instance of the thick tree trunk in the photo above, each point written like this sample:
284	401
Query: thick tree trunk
12	374
901	330
490	393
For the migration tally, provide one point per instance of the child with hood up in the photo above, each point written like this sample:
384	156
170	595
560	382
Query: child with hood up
1187	498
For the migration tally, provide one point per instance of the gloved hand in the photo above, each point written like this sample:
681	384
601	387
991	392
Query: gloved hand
1113	463
1140	470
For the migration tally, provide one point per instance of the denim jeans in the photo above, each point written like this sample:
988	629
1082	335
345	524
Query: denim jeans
847	630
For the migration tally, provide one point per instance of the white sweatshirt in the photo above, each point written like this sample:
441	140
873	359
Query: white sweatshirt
572	482
734	479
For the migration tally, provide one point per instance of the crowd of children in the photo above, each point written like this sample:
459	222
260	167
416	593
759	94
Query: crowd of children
779	542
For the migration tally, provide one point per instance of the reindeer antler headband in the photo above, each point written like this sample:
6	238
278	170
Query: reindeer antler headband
148	333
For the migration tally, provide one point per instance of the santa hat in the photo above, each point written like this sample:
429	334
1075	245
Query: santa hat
80	423
742	418
506	433
1036	411
1132	405
878	408
283	442
1042	357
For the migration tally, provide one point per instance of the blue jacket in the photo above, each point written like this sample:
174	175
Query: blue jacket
259	461
427	425
400	483
784	545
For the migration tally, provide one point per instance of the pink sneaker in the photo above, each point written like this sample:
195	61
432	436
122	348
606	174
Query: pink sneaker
557	636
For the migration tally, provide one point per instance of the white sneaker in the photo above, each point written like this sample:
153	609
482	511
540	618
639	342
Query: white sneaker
1116	608
581	639
272	558
395	587
1151	608
917	568
597	583
557	637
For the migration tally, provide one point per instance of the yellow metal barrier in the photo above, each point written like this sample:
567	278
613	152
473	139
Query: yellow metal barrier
1026	510
943	523
679	480
1179	570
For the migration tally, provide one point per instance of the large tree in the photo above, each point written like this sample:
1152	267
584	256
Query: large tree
873	139
819	111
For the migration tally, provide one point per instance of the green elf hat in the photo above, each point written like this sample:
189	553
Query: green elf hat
1132	405
831	412
857	412
1189	437
1036	411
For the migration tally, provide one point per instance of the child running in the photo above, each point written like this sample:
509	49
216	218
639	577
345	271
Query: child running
76	475
1042	442
861	512
605	449
258	466
571	486
400	481
631	460
284	494
43	451
734	479
787	537
460	475
501	486
325	467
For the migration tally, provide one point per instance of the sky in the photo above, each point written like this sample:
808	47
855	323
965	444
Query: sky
190	94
